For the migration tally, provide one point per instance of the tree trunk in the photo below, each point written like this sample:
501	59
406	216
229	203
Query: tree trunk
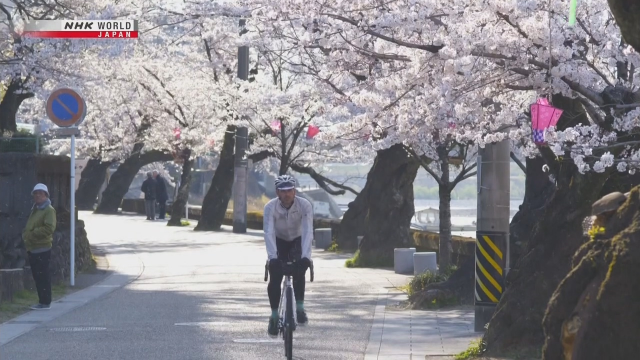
353	221
122	178
177	209
627	15
215	203
545	262
9	105
389	191
445	248
92	178
444	191
538	189
594	312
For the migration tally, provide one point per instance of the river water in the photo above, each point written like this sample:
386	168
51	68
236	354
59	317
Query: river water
463	212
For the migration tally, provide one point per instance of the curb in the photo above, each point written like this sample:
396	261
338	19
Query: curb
123	275
375	337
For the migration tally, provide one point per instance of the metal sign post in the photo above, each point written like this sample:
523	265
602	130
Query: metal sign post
67	109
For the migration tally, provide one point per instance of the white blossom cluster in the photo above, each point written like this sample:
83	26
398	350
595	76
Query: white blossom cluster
368	74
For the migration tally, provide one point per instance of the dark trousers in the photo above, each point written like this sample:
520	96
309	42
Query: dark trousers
162	209
276	273
41	275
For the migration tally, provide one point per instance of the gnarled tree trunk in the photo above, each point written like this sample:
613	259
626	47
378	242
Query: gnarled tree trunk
352	224
122	178
183	191
91	181
627	15
215	203
545	262
389	191
594	312
538	190
9	105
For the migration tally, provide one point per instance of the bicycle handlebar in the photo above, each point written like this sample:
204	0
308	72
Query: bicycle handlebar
266	271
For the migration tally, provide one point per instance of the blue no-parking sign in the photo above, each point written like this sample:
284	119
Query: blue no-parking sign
66	108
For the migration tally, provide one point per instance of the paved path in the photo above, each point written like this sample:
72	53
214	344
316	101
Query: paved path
416	334
199	296
180	294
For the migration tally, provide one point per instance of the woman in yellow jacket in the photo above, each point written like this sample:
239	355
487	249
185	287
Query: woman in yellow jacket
38	238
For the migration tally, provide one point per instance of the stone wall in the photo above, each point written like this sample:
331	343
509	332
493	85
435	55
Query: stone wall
19	172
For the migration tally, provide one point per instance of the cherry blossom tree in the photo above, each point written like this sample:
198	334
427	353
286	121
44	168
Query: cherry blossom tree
493	51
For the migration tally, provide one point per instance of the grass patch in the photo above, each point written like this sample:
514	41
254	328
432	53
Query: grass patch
420	281
475	349
23	299
375	261
184	223
333	247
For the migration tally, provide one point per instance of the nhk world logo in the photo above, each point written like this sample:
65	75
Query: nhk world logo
81	29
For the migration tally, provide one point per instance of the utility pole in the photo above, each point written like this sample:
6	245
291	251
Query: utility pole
241	165
492	233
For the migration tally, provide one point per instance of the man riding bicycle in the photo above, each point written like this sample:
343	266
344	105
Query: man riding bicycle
288	227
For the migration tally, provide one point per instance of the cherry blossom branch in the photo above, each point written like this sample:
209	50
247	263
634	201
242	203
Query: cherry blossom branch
430	48
464	174
259	156
322	181
375	54
593	113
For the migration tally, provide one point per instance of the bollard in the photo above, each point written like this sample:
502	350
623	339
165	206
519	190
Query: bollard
425	261
323	238
403	260
11	281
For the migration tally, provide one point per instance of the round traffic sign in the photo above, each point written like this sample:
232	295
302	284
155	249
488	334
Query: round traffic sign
66	108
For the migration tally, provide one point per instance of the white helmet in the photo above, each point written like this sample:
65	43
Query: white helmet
285	182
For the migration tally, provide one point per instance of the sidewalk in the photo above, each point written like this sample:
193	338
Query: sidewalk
418	334
90	287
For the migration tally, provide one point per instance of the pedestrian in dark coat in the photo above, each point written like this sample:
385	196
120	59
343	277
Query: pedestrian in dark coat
161	194
149	189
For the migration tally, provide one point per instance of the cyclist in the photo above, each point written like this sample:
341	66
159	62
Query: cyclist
288	225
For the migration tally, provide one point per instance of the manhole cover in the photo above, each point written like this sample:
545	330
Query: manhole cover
72	329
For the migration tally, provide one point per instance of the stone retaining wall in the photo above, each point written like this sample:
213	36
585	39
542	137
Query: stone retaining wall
18	174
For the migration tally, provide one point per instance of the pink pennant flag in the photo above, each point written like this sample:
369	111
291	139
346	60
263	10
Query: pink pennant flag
312	131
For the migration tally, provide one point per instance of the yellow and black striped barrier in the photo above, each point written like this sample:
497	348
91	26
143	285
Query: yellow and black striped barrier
490	261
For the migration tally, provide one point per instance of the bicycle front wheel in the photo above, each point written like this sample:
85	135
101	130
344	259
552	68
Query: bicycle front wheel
288	325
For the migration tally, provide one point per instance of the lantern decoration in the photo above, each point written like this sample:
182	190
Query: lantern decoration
543	115
276	125
176	133
312	131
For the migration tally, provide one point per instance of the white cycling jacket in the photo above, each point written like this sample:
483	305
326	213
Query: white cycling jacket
288	224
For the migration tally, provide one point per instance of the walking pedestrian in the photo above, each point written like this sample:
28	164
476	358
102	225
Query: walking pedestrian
149	190
161	194
38	238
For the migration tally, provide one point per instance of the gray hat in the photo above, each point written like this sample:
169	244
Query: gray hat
609	202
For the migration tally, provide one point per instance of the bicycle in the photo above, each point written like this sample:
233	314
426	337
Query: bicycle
287	317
